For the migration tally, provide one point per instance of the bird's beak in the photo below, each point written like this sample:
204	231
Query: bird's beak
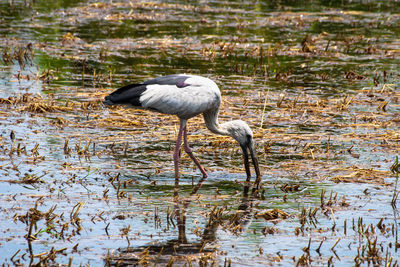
255	160
246	149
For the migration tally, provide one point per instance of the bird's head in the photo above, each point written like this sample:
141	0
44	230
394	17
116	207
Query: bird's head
242	133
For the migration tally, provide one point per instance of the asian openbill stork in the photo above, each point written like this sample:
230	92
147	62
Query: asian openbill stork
186	96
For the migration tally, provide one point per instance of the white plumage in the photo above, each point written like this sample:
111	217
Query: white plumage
185	102
187	96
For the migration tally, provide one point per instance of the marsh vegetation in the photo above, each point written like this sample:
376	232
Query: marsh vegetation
82	184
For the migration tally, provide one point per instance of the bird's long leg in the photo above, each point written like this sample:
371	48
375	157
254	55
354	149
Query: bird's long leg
176	155
190	153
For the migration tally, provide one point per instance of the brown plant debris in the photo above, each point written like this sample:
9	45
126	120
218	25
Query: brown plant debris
358	175
272	214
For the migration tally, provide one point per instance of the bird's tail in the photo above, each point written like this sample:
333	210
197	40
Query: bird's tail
129	94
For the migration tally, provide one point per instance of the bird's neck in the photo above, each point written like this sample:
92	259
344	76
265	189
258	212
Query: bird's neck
211	121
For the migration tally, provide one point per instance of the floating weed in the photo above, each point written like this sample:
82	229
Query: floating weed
20	53
274	214
31	179
357	175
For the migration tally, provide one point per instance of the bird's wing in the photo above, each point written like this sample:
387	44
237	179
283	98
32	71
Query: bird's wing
178	94
186	99
131	93
174	79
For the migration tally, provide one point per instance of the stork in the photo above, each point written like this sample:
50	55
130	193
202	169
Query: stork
187	96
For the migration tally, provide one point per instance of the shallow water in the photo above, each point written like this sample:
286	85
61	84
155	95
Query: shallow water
316	105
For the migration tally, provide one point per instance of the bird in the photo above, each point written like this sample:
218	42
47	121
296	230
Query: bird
186	96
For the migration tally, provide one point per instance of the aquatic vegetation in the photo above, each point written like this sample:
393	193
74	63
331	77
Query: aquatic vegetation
81	184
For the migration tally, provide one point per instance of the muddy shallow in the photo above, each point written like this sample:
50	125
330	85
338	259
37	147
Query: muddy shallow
83	184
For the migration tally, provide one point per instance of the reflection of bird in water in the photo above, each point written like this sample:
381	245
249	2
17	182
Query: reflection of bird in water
187	96
180	250
162	253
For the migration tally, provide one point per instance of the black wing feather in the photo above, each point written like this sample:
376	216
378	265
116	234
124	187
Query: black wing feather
129	94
